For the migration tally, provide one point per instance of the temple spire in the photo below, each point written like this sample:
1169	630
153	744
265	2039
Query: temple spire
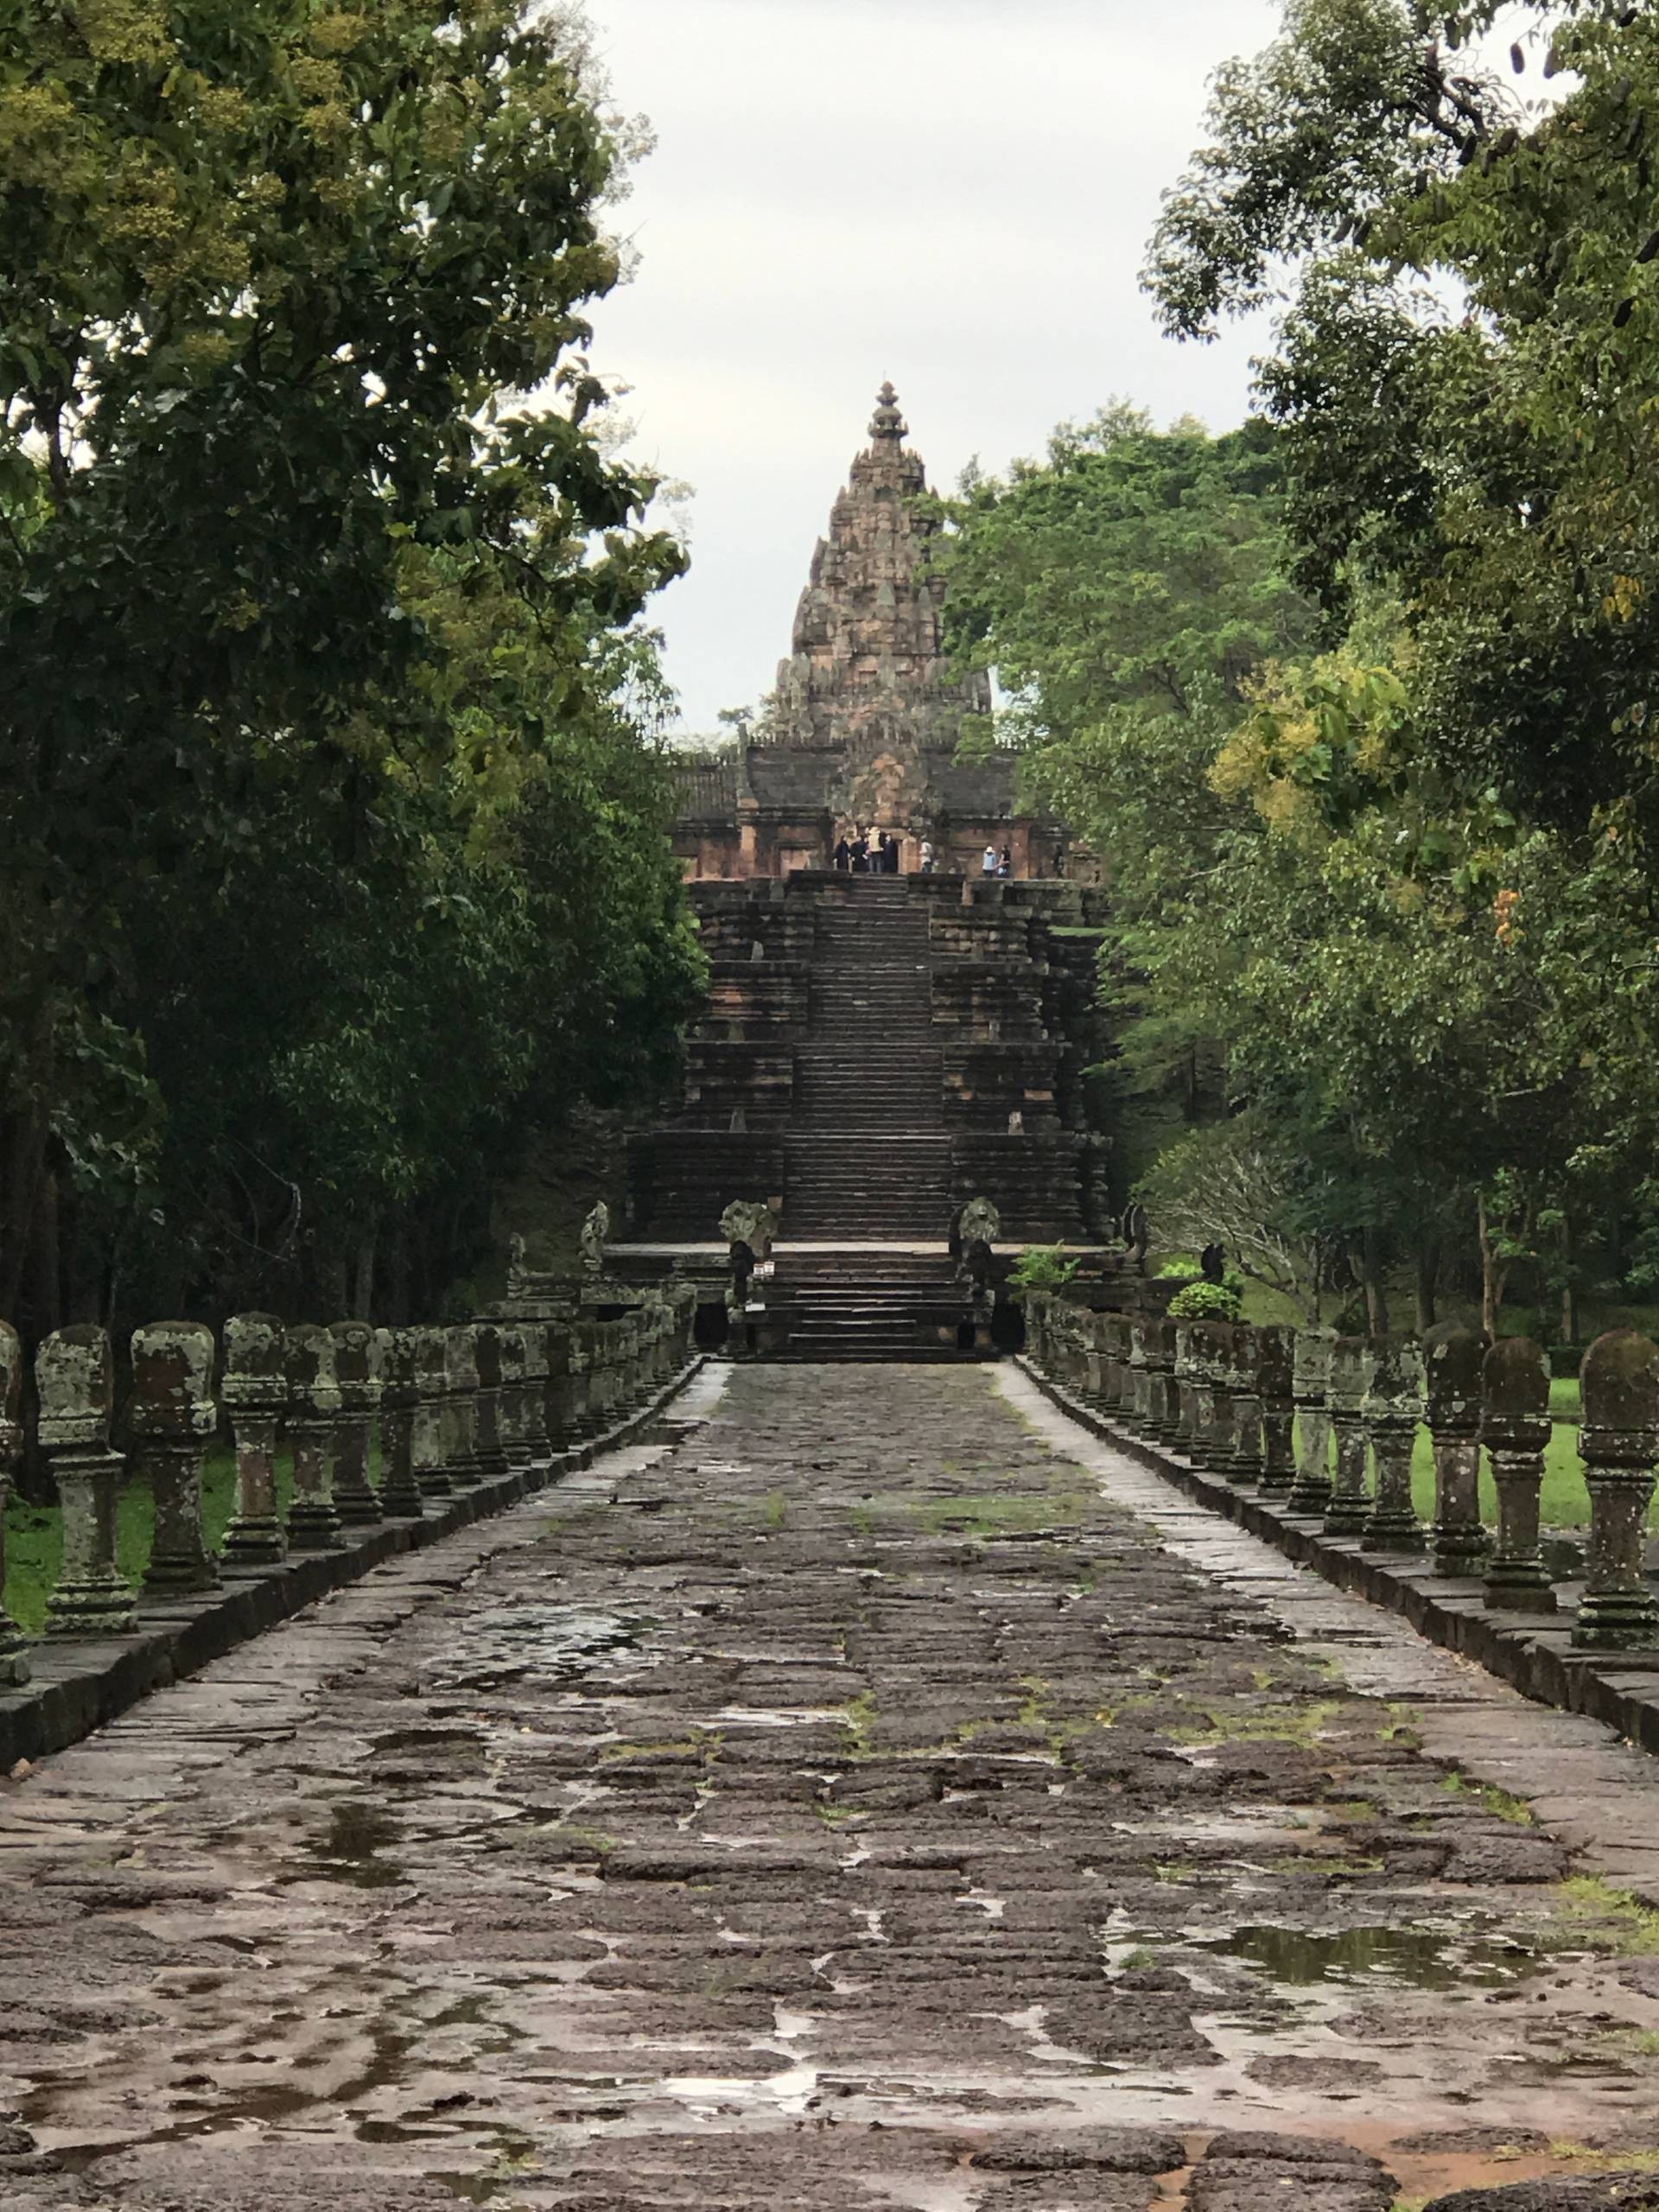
887	421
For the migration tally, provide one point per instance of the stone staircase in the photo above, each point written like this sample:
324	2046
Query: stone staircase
868	1155
870	1305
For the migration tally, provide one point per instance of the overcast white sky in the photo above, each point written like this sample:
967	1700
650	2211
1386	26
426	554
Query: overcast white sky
954	194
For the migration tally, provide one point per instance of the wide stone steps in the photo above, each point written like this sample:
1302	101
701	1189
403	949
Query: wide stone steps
869	1305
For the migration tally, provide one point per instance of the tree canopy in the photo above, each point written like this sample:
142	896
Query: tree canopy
1395	873
324	713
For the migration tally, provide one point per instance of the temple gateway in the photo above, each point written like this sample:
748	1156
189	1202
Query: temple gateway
866	726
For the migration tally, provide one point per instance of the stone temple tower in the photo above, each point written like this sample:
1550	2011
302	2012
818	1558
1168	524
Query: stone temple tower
866	722
867	683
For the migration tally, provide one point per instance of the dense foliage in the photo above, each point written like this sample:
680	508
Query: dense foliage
1397	874
331	831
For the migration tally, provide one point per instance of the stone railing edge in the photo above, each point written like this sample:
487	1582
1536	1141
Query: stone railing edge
1532	1656
79	1685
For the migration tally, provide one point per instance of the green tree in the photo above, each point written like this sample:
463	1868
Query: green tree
304	528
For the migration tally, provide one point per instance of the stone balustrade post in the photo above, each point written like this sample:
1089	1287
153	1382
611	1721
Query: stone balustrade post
487	1353
538	1446
14	1645
1094	1358
625	1397
1619	1441
313	1409
1452	1364
563	1417
613	1350
1393	1414
432	1420
172	1423
584	1360
461	1390
1516	1428
1115	1364
510	1351
1036	1317
1161	1410
359	1352
254	1393
1212	1439
400	1487
1186	1392
1137	1397
1275	1345
1243	1464
75	1379
1310	1390
1350	1505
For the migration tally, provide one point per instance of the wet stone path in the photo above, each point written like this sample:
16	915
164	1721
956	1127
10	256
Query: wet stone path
867	1796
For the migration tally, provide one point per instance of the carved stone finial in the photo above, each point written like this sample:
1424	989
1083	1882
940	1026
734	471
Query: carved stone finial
254	1393
75	1378
1516	1428
1452	1360
1392	1412
359	1372
887	421
172	1422
1311	1366
1618	1442
314	1403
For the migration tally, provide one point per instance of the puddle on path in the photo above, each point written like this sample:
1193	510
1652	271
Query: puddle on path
544	1643
358	1833
1405	1958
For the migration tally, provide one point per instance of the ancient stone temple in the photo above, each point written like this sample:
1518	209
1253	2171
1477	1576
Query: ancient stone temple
865	724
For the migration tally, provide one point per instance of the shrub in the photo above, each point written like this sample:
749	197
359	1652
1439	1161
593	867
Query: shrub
1042	1267
1190	1271
1206	1301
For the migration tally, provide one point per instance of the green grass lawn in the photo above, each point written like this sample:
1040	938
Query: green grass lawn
35	1533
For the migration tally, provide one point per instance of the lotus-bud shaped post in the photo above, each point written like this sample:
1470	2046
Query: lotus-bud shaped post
1393	1414
432	1423
1619	1441
562	1414
1136	1404
510	1396
1113	1362
1310	1390
1453	1367
1349	1506
400	1489
313	1409
75	1378
1275	1345
1161	1410
1186	1394
254	1393
1243	1464
358	1352
172	1423
1212	1350
461	1456
1516	1428
584	1360
14	1645
486	1355
533	1335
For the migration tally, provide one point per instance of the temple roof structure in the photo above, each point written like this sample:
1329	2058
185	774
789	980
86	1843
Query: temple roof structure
866	719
